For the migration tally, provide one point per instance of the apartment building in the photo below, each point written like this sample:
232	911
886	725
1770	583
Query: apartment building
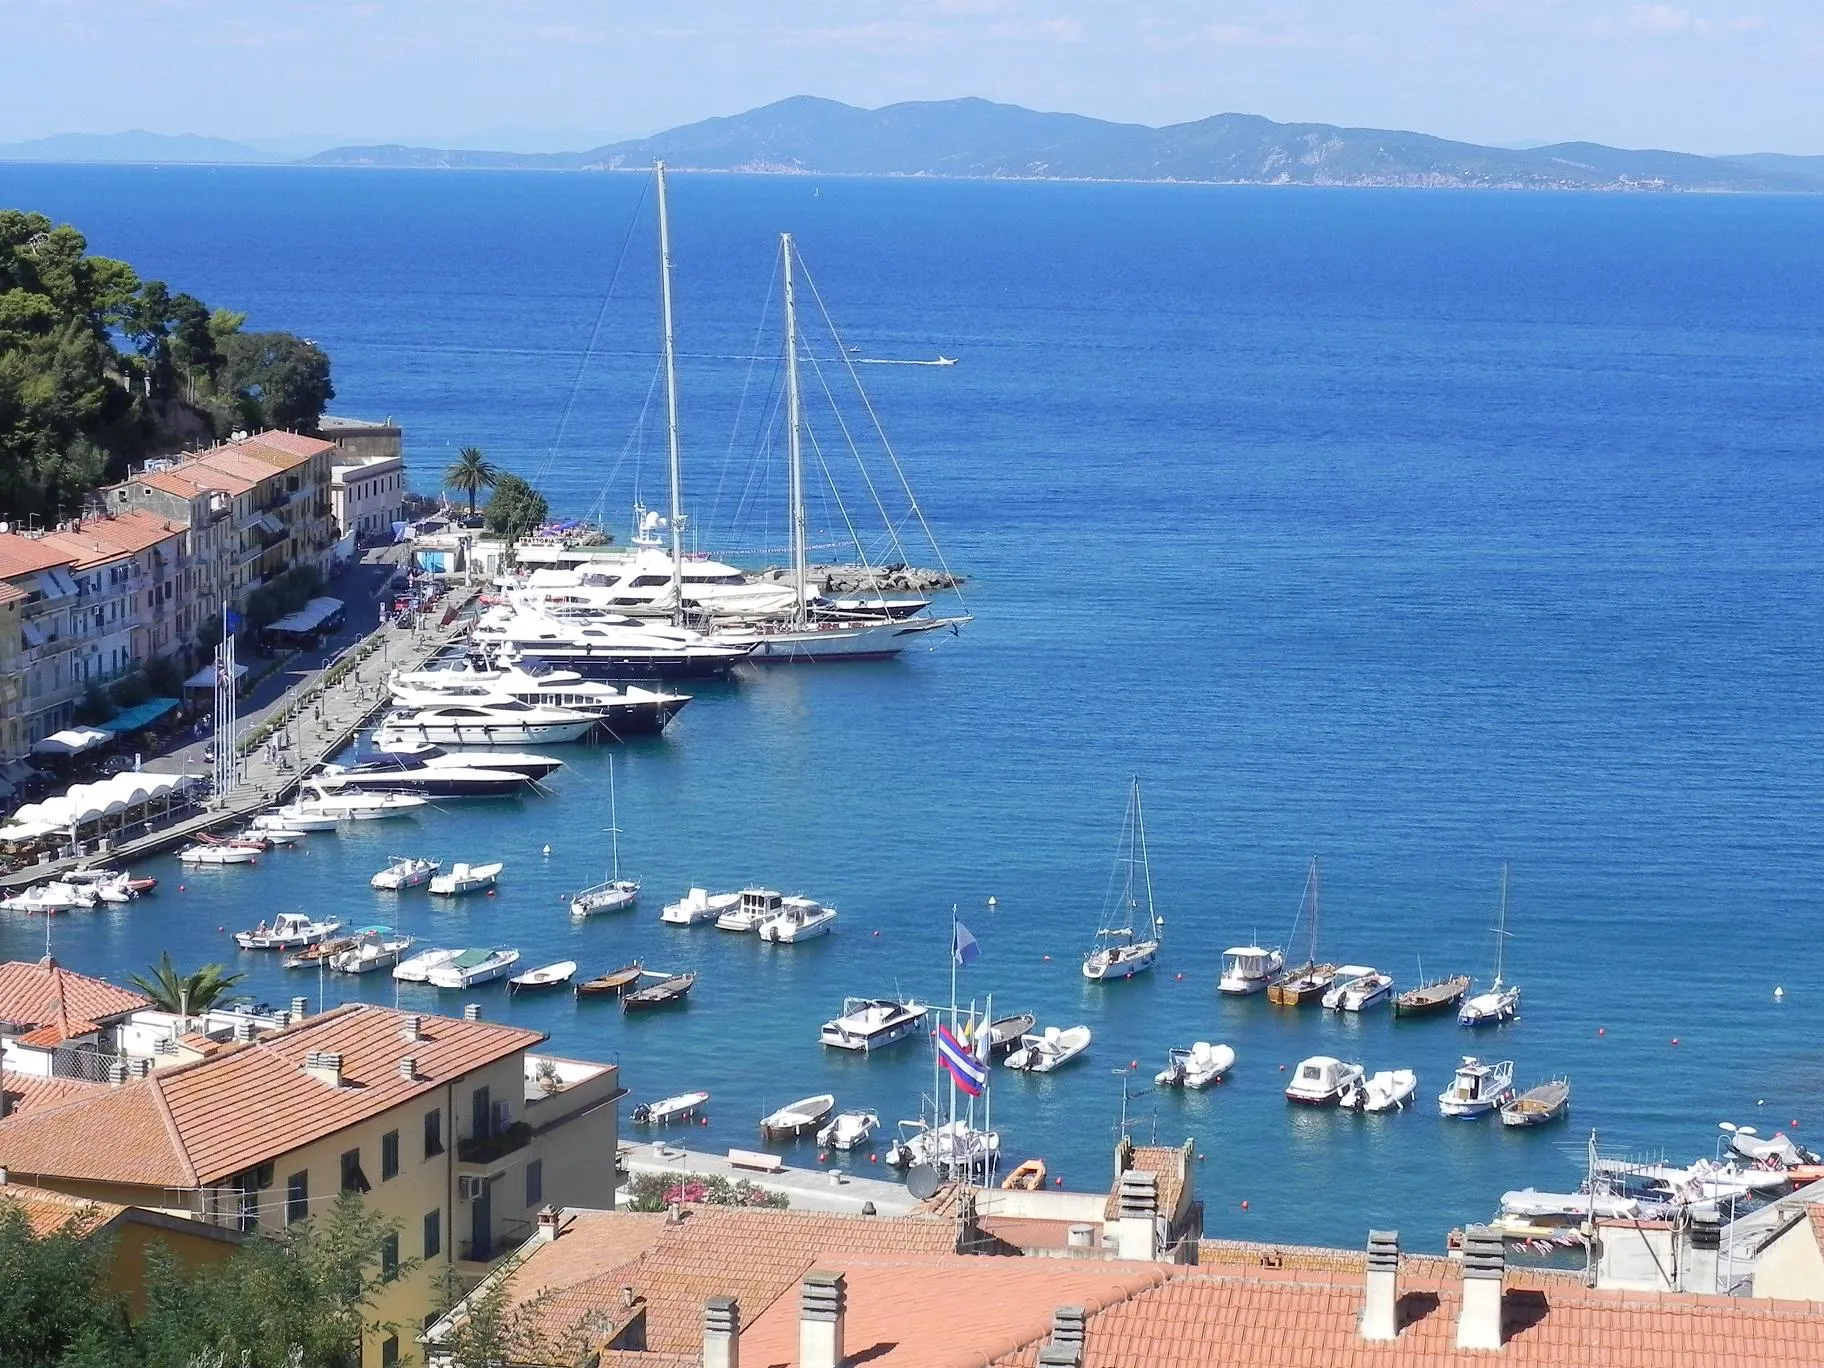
454	1128
367	479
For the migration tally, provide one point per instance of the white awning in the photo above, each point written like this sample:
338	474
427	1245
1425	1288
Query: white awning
205	677
72	741
308	618
267	523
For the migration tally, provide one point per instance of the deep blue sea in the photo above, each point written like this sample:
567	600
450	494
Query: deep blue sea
1419	531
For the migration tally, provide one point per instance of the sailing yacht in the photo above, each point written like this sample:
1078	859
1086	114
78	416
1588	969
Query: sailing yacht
1502	1000
613	894
1310	980
1120	951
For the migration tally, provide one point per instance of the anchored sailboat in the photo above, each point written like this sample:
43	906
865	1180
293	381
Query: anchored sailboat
1121	951
1310	980
614	894
1502	1001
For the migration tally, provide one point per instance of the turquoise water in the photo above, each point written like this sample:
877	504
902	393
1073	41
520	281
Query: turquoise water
1419	531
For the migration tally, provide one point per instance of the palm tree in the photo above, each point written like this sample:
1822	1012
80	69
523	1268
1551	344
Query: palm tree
470	473
193	992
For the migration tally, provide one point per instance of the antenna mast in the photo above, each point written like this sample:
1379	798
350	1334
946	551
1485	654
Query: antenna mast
671	403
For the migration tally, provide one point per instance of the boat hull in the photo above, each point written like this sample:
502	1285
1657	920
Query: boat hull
1100	967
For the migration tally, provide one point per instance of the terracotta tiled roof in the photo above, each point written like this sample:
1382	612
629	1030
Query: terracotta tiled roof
201	1122
188	480
950	1310
11	593
33	995
56	1033
1168	1164
101	540
22	555
233	461
47	1211
25	1091
1036	1232
289	444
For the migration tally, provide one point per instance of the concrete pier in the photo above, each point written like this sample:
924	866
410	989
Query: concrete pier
832	1187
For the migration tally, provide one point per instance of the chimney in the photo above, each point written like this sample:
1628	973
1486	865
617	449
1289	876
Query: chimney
1698	1270
300	1008
408	1069
550	1222
1137	1235
325	1067
472	1012
823	1306
243	1030
1381	1306
412	1028
1080	1237
1484	1266
1065	1349
721	1333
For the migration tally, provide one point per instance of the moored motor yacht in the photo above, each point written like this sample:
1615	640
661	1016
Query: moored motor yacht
204	853
356	806
608	646
505	722
1476	1089
299	816
799	919
289	931
404	872
1195	1066
1358	987
526	763
1249	969
1323	1081
621	709
698	905
753	906
467	968
466	878
402	774
872	1023
375	947
1048	1049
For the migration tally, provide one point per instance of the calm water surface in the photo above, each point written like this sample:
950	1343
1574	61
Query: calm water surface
1421	532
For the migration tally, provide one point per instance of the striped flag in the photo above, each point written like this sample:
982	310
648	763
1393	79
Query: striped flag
963	948
964	1067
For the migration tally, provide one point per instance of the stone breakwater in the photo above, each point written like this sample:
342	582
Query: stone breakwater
851	579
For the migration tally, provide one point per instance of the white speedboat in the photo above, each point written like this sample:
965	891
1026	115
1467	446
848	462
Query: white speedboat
849	1130
289	931
647	582
546	976
1387	1090
1249	969
300	816
696	906
418	968
404	872
1567	1208
872	1023
798	1118
471	967
1502	1001
1357	987
1196	1066
681	1106
799	919
1476	1089
101	885
466	878
527	764
755	905
204	853
55	896
953	1148
1323	1081
504	722
1049	1049
1126	945
375	947
359	807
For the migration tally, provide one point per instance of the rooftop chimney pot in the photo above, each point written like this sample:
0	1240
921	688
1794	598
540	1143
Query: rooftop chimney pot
1067	1325
721	1333
325	1066
408	1069
1138	1203
1484	1271
300	1008
413	1028
1380	1308
472	1012
823	1309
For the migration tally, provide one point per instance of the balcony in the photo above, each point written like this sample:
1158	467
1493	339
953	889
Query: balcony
508	1237
485	1150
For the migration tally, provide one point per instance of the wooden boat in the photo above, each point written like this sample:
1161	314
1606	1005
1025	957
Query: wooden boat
1004	1033
1550	1101
322	950
664	993
1312	979
547	976
1432	999
1028	1177
610	984
798	1118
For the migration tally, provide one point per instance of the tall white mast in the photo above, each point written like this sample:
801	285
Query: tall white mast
671	404
795	444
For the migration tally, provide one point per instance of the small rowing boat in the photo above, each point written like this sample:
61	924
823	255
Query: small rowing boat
547	976
1548	1102
1432	999
610	984
797	1118
670	989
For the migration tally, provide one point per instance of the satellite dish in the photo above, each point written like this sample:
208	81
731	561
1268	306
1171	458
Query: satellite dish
923	1181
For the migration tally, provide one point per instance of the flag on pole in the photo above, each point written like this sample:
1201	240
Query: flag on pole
968	1072
963	948
233	621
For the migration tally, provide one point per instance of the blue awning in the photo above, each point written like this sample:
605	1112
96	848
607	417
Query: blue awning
144	715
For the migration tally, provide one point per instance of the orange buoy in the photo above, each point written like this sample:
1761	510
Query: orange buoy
1058	1181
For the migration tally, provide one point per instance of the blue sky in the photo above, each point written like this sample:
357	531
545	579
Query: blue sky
1707	76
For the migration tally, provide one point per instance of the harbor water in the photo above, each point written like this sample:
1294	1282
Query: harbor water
1417	531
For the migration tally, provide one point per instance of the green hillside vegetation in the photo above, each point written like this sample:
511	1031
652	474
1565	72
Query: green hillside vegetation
99	368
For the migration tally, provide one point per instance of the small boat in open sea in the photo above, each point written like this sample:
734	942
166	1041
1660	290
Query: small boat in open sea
680	1106
613	894
1309	981
289	931
698	905
1004	1032
1249	969
610	984
1502	1000
670	989
466	878
308	957
752	907
1433	998
1550	1101
798	1118
418	968
1123	947
370	949
1050	1049
872	1023
799	919
404	872
470	968
1387	1090
1358	987
1477	1088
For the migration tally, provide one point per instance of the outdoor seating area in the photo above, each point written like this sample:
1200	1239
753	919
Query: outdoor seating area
109	807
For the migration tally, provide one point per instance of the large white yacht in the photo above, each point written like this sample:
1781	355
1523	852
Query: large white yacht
600	645
625	710
504	722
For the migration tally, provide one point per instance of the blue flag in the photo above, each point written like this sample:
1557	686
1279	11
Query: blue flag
235	621
963	948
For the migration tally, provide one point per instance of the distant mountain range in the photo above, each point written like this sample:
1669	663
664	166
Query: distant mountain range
134	146
981	139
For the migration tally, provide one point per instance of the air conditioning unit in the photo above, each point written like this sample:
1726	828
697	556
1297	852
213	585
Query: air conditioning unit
471	1189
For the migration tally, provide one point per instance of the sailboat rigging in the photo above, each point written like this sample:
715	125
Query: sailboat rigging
1121	950
1502	1001
1310	980
614	894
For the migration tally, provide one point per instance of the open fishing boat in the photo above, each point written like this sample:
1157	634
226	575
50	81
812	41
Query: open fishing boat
682	1106
547	976
1049	1049
849	1130
404	872
797	1118
372	948
327	949
668	990
1311	980
1550	1101
1028	1177
1124	947
418	968
472	967
1432	999
1357	988
613	894
610	984
466	878
1477	1088
1004	1033
1197	1066
289	931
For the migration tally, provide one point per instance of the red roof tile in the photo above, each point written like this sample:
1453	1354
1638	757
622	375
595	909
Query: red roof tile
290	443
47	1211
56	1033
34	995
189	480
25	1091
22	555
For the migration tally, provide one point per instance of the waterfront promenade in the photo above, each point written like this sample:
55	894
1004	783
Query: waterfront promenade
819	1189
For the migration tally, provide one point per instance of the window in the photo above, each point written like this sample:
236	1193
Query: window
389	1351
433	1132
353	1179
389	1258
433	1234
389	1155
535	1182
297	1197
481	1115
